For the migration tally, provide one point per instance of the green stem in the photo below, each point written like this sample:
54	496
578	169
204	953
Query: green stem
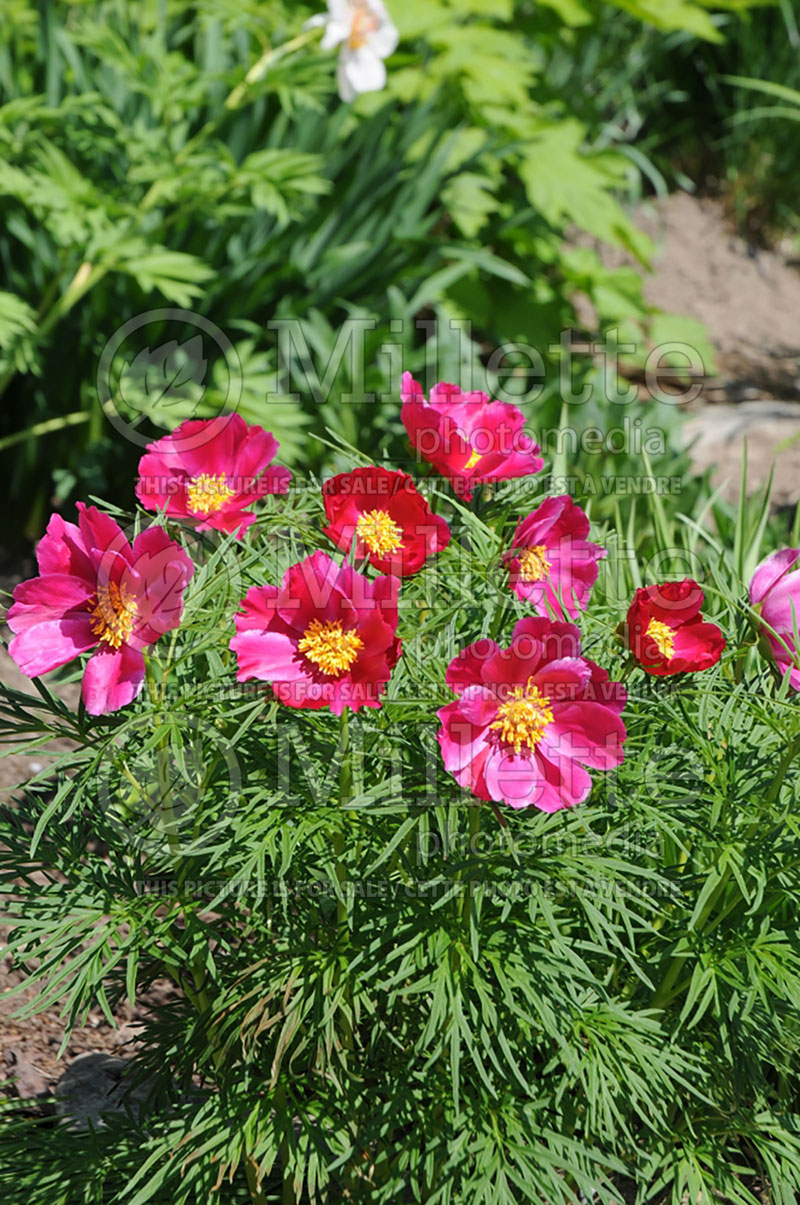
627	669
663	993
340	870
262	66
474	817
162	764
287	1194
44	428
345	792
257	1196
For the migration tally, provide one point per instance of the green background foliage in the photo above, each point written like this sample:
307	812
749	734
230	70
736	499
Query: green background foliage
138	170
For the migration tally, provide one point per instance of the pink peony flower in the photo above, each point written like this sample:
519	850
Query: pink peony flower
550	554
530	718
210	472
387	516
326	638
95	591
775	593
467	437
666	632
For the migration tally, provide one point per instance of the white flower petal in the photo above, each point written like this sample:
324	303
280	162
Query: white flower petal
346	90
337	31
380	10
360	71
316	22
384	41
341	10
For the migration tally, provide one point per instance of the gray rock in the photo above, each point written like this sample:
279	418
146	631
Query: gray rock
717	435
94	1085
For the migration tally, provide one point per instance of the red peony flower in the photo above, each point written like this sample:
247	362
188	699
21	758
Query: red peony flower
95	591
467	437
210	471
326	638
530	718
387	516
666	633
775	593
550	554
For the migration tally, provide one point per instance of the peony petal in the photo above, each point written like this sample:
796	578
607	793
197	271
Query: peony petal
207	446
46	646
156	581
161	483
62	550
268	656
586	732
697	646
112	679
310	590
105	541
770	571
563	679
259	607
51	596
466	668
229	522
519	782
464	728
569	782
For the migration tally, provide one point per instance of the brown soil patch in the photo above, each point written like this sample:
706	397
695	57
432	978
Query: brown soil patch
747	297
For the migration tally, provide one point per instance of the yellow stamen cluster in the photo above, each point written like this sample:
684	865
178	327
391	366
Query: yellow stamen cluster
379	532
329	647
114	615
206	494
533	564
473	460
364	23
663	637
523	718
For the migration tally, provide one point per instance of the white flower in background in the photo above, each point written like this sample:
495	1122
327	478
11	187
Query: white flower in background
366	35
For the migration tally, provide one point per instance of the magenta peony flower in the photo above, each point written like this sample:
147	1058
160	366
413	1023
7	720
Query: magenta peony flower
530	718
326	638
666	632
387	516
95	591
550	553
775	593
210	472
467	437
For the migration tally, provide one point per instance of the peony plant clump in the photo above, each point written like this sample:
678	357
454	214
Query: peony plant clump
379	774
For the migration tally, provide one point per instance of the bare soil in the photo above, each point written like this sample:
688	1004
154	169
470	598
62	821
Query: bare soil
749	300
